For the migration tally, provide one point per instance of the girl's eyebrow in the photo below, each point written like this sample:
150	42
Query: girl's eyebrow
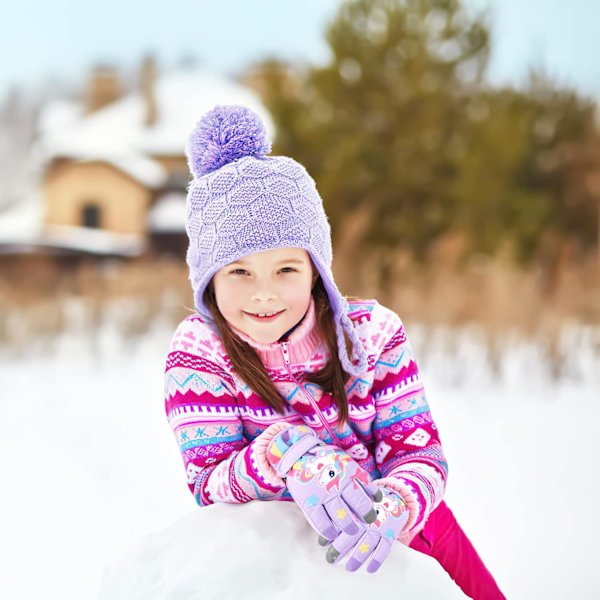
285	260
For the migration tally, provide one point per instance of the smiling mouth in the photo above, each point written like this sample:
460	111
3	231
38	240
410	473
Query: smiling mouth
259	318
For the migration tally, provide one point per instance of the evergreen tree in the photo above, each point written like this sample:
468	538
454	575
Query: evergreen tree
402	123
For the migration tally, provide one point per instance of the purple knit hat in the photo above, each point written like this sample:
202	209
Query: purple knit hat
241	201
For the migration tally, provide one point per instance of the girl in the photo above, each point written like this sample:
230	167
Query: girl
274	354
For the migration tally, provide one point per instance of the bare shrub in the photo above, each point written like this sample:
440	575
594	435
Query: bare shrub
497	302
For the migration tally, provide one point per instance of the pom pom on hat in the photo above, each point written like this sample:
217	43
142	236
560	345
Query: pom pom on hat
224	134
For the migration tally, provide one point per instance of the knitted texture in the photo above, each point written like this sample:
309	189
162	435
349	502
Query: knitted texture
241	202
226	134
223	428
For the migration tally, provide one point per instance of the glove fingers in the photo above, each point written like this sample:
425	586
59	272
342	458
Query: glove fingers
341	515
340	547
321	522
381	553
363	550
360	502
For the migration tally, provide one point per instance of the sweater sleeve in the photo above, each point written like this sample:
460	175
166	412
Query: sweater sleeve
408	451
220	463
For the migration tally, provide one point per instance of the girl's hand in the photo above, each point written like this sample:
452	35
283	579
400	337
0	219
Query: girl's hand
330	487
374	543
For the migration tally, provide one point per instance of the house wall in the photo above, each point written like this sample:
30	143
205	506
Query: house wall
123	202
172	163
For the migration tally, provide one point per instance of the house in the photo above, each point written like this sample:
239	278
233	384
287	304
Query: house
114	173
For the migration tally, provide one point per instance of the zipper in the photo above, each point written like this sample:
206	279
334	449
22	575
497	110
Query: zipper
311	398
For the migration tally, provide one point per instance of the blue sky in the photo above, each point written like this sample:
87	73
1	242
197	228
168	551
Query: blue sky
61	39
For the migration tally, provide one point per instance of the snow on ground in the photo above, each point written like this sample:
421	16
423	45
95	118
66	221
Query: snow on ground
95	503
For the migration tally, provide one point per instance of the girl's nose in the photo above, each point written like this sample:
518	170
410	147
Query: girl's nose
263	293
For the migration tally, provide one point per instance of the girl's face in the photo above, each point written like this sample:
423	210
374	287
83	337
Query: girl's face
272	281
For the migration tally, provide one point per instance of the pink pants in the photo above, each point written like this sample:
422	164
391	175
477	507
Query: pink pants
443	539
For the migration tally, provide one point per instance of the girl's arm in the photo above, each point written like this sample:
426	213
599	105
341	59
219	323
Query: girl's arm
408	450
221	465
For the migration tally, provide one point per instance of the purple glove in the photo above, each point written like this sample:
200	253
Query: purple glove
329	486
376	542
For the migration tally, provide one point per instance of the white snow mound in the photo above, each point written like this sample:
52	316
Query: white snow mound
253	551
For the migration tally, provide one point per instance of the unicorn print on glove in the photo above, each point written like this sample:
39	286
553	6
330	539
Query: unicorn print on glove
328	466
390	506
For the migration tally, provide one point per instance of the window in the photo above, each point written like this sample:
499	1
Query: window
91	216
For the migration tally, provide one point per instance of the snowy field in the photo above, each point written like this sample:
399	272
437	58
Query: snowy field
95	503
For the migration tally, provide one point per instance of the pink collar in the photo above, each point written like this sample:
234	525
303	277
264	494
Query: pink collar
302	342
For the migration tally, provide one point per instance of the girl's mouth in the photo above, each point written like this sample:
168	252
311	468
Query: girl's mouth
264	319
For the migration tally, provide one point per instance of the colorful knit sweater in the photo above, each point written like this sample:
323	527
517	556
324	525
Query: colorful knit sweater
223	427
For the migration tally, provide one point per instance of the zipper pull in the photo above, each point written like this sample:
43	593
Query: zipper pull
285	352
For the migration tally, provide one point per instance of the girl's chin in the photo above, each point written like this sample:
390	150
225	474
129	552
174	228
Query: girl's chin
265	339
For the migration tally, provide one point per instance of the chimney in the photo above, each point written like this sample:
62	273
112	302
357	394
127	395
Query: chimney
103	88
148	80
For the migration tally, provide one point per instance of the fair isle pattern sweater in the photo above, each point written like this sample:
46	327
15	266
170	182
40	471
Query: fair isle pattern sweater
223	427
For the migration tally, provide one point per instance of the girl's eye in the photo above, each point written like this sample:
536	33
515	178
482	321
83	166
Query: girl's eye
241	271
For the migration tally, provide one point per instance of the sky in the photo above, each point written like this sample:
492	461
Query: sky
46	42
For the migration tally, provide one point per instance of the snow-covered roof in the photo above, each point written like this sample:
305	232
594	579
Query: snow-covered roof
58	114
117	133
168	214
182	97
23	220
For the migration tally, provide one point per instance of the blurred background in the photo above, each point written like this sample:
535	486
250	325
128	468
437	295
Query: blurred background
456	146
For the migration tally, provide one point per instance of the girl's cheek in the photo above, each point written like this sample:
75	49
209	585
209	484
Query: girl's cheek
235	283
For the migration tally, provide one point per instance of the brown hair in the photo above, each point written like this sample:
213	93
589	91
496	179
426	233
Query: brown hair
247	363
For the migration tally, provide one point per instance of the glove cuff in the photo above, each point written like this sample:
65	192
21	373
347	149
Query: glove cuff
282	453
408	496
